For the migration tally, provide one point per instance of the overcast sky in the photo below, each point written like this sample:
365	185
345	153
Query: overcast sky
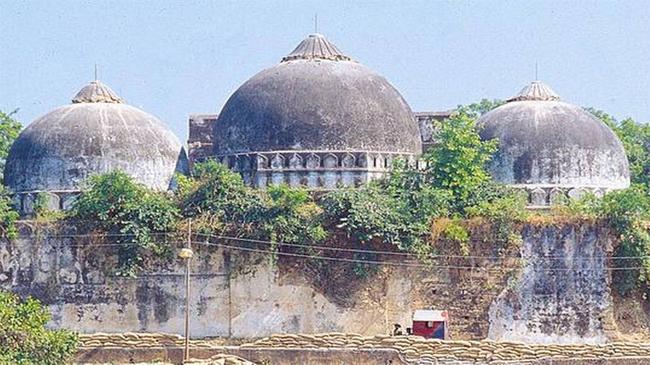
173	58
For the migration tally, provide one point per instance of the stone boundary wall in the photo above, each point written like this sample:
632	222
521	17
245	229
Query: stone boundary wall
236	295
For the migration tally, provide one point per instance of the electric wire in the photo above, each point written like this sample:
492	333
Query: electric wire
343	249
321	247
390	263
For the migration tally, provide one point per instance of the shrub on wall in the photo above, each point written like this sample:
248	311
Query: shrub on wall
24	340
134	216
222	205
8	216
399	208
9	131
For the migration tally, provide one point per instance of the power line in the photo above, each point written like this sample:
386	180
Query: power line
343	249
390	263
410	263
329	248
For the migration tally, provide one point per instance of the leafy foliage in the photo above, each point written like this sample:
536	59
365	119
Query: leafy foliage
134	214
24	340
8	216
627	211
475	110
369	214
226	206
399	208
457	162
636	141
9	130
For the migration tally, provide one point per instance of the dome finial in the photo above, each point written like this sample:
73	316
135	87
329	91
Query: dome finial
316	47
536	90
96	92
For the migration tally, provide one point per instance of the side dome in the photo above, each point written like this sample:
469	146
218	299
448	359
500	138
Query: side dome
95	134
317	99
544	142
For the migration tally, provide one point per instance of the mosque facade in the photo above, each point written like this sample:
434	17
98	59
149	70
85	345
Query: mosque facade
95	134
317	119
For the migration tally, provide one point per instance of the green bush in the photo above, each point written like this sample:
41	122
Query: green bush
292	216
135	216
24	340
223	205
628	211
8	216
220	193
368	214
399	208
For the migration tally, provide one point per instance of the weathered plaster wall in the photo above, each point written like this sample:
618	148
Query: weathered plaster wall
562	295
75	280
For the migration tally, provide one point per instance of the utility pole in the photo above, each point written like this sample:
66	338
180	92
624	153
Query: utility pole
186	254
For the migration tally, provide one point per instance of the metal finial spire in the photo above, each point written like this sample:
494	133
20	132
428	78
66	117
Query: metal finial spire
95	72
315	22
536	78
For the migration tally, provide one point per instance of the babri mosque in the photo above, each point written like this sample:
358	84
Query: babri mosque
318	119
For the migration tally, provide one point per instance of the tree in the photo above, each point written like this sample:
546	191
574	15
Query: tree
636	142
9	130
457	162
24	340
475	110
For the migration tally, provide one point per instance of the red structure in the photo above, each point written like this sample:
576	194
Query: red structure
431	324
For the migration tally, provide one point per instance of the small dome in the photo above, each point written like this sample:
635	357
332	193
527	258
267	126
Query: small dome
317	98
544	141
95	134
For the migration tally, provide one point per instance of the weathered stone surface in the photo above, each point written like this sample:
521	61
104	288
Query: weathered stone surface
316	100
316	103
59	150
544	142
562	295
233	297
331	105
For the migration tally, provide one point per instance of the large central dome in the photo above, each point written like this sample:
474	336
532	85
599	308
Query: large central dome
317	98
317	119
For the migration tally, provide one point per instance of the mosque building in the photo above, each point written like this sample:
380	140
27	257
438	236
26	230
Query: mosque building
317	119
97	133
550	148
